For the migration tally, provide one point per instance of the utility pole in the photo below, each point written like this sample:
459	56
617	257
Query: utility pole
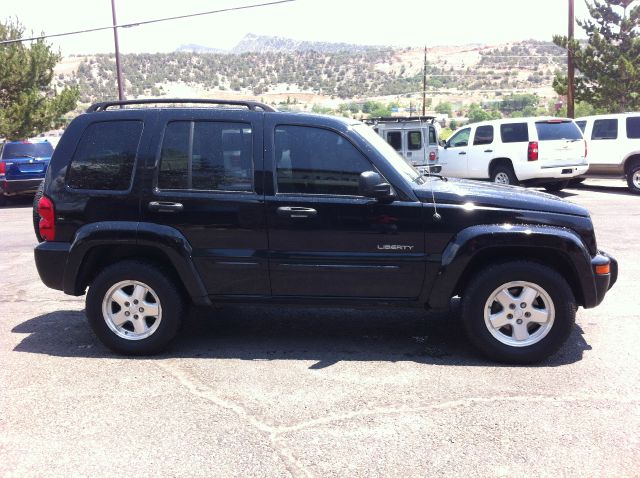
424	83
115	39
570	66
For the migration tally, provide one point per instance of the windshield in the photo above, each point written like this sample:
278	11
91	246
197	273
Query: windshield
390	154
22	150
554	130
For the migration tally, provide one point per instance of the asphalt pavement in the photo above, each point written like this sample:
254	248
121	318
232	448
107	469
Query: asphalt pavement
248	391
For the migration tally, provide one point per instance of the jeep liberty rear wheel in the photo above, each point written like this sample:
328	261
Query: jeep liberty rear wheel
633	178
518	312
134	308
504	174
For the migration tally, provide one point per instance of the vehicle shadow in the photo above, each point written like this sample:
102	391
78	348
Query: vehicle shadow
17	202
260	333
622	190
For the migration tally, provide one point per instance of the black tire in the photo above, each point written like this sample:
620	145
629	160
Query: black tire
576	181
504	174
482	287
633	178
3	199
36	216
171	307
555	187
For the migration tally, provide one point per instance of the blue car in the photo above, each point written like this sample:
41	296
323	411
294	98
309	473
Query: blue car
22	166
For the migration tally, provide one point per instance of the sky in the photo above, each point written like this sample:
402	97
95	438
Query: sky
368	22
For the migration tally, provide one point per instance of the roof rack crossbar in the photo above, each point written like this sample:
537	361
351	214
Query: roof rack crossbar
251	105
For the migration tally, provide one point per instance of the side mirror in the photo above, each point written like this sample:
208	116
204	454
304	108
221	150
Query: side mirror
444	144
371	185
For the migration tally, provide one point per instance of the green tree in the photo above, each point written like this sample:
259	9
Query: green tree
609	64
28	103
477	113
444	108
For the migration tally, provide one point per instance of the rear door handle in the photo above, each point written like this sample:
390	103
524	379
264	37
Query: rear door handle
165	206
462	152
488	150
295	211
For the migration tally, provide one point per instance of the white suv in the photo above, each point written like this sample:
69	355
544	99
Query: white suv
614	147
535	151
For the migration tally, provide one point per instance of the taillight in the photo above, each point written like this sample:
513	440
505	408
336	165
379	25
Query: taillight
47	225
3	167
532	151
585	149
432	155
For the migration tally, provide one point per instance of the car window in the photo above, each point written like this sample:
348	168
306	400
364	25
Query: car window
514	133
605	129
461	138
582	124
394	138
105	156
633	127
415	140
484	135
206	156
317	161
554	130
26	150
432	135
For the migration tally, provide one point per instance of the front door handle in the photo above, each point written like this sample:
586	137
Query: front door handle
295	211
165	206
462	152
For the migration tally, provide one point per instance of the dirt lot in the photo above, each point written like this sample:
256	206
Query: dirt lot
260	392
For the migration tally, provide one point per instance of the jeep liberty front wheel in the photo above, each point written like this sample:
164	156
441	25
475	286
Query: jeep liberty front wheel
134	308
518	312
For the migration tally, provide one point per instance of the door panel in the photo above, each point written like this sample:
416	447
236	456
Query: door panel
206	189
454	158
324	239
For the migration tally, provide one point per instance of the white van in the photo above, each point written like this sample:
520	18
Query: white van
614	147
534	151
414	138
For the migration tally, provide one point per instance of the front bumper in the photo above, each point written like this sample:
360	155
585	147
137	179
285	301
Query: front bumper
603	282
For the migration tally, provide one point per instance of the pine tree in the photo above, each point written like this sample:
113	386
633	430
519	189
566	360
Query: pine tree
28	103
609	64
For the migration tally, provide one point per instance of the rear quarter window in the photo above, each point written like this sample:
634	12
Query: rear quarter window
557	130
514	133
633	127
105	156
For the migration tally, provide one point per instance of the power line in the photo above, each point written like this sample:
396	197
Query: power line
146	22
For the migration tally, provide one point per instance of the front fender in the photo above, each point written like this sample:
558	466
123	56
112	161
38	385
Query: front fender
523	241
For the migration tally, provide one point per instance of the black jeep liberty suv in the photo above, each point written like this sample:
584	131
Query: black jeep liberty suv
153	203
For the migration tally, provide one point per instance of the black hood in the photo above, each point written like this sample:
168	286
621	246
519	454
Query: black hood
460	191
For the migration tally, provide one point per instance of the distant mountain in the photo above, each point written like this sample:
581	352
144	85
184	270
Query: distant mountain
252	43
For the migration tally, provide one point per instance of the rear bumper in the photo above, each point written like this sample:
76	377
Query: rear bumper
51	261
603	282
540	171
10	187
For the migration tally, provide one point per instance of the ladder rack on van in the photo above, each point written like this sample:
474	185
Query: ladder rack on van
400	119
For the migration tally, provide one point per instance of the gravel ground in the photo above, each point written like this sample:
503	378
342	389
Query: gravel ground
249	391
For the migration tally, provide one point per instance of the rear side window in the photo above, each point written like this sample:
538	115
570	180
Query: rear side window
394	138
582	124
432	135
415	140
557	130
105	156
514	133
605	129
484	135
633	127
206	156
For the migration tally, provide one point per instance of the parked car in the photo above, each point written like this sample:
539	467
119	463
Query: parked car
415	138
22	166
614	147
530	151
150	208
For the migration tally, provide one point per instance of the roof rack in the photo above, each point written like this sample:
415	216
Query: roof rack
399	119
251	105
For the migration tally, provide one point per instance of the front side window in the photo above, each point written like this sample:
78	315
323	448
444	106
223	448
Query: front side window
633	127
605	129
514	133
317	161
394	138
415	140
461	138
484	135
105	156
206	156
